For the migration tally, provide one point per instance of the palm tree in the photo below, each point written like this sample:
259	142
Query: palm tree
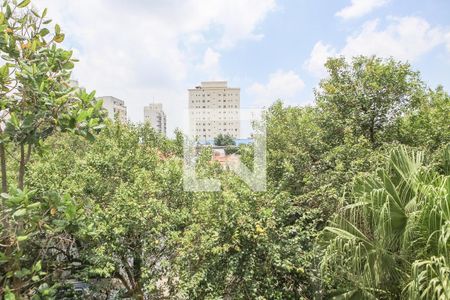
392	240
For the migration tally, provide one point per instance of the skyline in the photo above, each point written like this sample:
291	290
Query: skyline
271	49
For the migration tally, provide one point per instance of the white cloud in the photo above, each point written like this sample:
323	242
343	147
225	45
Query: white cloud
283	85
210	65
142	51
407	39
359	8
319	55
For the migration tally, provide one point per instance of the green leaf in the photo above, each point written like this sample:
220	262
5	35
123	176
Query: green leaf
34	205
9	296
59	38
37	267
8	12
82	116
90	137
4	72
69	65
14	120
35	13
34	45
24	3
44	32
57	29
20	212
3	258
22	238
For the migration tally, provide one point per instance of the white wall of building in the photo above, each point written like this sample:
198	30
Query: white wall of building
213	110
155	116
115	108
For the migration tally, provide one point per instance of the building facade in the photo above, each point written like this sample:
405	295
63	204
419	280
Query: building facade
213	110
155	116
116	108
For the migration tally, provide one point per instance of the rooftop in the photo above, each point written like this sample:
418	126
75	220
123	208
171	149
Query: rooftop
219	84
213	85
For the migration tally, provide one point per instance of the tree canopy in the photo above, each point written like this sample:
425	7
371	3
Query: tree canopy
224	140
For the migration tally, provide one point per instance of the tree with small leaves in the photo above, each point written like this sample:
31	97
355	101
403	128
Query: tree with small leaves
36	101
224	140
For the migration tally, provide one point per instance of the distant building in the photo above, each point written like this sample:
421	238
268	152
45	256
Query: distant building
116	108
155	116
214	109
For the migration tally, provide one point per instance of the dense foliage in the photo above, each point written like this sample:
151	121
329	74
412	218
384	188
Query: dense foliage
36	101
141	234
392	239
224	140
357	203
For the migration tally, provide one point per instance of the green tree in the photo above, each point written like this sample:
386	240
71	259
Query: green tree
315	152
245	245
36	97
224	140
128	182
392	239
302	162
143	236
427	125
367	96
36	100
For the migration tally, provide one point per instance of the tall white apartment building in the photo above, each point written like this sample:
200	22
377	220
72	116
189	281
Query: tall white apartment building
116	108
213	110
154	114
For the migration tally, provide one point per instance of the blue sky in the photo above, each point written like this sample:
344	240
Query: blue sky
145	51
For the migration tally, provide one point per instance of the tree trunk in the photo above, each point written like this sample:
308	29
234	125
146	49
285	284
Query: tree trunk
28	156
22	163
4	216
137	270
3	167
372	132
